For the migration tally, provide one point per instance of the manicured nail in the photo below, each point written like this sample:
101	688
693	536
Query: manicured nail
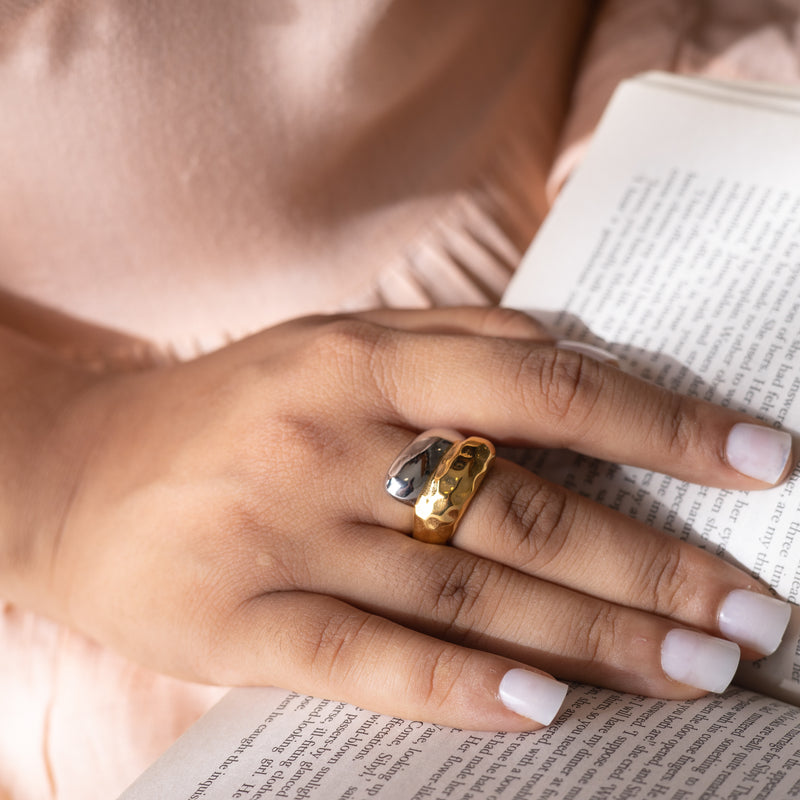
695	659
758	451
754	620
532	695
597	353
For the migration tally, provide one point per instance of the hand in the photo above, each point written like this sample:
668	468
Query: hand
227	522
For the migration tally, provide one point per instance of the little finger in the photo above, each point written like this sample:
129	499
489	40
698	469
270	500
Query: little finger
325	647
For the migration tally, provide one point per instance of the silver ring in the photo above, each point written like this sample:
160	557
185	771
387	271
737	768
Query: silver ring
412	469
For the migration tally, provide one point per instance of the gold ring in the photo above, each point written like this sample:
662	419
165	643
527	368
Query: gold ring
449	490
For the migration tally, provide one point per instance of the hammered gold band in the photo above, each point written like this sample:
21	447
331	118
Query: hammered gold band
450	489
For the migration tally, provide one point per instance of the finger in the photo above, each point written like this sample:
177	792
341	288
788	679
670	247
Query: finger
474	320
536	394
481	604
539	528
542	529
322	646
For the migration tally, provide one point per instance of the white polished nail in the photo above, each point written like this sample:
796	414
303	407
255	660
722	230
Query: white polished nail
695	659
758	451
532	695
597	353
754	620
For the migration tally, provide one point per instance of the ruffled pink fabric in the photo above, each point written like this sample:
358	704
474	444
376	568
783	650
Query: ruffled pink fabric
79	721
92	262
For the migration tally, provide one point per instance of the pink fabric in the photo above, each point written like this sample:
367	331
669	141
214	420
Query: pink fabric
179	174
188	172
79	721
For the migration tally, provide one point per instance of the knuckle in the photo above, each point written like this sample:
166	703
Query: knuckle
347	343
440	677
353	360
561	384
329	642
361	355
460	593
664	577
537	523
599	634
679	425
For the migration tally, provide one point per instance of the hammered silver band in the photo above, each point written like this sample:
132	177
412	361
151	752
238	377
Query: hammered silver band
413	468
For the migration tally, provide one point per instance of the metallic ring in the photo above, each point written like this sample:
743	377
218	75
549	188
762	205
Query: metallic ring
452	486
413	468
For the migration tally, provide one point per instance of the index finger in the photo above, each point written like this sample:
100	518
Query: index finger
536	394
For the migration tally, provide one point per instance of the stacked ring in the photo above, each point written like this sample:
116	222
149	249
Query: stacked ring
413	468
454	483
439	473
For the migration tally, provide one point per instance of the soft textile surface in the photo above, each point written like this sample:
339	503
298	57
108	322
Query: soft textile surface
191	171
178	175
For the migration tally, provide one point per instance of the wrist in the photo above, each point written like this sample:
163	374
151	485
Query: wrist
45	447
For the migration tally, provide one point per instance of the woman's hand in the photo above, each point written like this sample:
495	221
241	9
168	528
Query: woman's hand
226	521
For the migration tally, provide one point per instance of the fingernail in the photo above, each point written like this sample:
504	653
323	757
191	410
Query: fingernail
695	659
758	451
532	695
597	353
754	620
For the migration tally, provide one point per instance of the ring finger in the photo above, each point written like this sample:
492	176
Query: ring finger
488	606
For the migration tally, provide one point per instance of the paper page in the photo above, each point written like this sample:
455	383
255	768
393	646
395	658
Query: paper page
677	247
264	743
770	96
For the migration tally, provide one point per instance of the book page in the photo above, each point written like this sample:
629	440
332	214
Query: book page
677	247
769	96
265	743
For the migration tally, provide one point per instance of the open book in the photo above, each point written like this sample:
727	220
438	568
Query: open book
677	246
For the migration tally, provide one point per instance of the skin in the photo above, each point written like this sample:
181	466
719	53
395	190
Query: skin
224	520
